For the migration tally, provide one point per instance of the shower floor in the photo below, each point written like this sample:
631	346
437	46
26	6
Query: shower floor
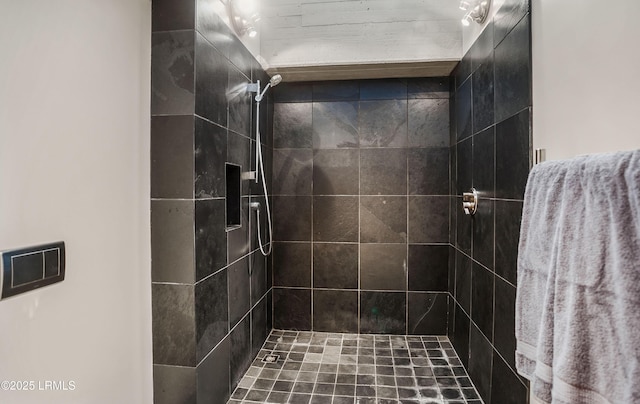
320	367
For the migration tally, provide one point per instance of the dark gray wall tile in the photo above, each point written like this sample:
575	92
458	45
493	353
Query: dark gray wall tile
212	313
259	326
239	296
428	87
428	267
172	156
383	172
482	48
168	15
464	162
240	102
292	309
336	172
335	218
292	264
241	58
383	123
292	125
172	73
382	312
428	122
174	326
212	76
461	335
210	237
463	107
174	384
383	89
293	92
288	227
336	90
335	311
483	94
259	284
513	71
239	153
483	233
480	363
508	218
211	26
482	299
335	124
504	326
239	239
210	155
428	219
172	252
463	281
483	163
383	219
292	171
382	266
506	386
335	266
427	313
215	368
513	150
240	352
428	171
511	12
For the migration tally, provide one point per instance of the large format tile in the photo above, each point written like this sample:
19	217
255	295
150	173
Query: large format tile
259	326
174	384
292	308
480	363
172	238
504	326
240	351
212	27
259	283
172	15
382	312
240	103
428	87
428	219
212	75
482	289
513	72
428	171
288	227
383	266
335	218
335	266
210	237
215	368
506	386
239	239
511	12
172	157
513	155
508	218
428	267
388	89
461	335
239	296
292	170
483	95
293	92
210	155
335	124
292	264
383	172
463	281
483	233
292	125
174	326
427	313
383	219
345	90
463	107
383	123
428	122
172	77
483	163
212	312
335	311
336	172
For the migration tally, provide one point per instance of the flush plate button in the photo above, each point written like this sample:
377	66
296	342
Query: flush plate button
31	268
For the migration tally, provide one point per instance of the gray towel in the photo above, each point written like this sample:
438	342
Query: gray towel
578	295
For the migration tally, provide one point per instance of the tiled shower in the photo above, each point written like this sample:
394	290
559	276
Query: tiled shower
366	178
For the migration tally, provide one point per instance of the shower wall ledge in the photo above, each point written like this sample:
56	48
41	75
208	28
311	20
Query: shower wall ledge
356	71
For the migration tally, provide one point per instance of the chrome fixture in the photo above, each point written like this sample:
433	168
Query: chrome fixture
259	173
470	202
539	156
243	15
477	11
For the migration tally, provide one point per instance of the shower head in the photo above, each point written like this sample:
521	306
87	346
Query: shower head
275	80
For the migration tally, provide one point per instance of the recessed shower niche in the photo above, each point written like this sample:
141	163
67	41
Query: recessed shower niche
232	179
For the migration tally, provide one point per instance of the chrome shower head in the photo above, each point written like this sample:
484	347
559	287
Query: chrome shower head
275	80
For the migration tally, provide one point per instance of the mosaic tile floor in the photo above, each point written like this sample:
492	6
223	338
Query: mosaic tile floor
314	367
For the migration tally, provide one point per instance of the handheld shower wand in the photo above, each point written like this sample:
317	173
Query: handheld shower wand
255	87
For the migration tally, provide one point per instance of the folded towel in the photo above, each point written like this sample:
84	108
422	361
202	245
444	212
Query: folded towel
578	295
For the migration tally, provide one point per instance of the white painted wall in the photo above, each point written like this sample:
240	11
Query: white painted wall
586	86
328	32
74	166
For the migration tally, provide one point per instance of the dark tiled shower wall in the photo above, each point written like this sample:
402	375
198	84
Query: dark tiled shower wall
491	151
361	206
210	288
